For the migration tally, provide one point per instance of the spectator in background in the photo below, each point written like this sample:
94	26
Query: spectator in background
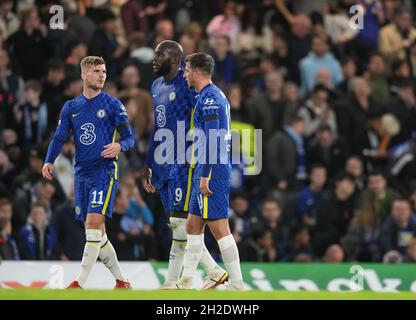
403	107
104	43
6	210
72	88
333	254
411	252
374	144
225	24
349	71
140	113
374	18
134	17
309	196
256	34
32	116
400	72
52	90
130	81
377	79
188	44
355	166
337	26
130	244
393	256
268	110
10	142
271	217
397	39
11	92
241	218
227	67
379	194
196	32
316	112
319	58
138	213
259	246
9	22
327	149
398	229
38	239
280	54
64	167
334	212
352	112
299	247
7	169
286	156
361	242
8	246
164	30
238	108
154	11
291	96
142	56
31	38
402	169
299	44
71	233
77	51
43	192
31	173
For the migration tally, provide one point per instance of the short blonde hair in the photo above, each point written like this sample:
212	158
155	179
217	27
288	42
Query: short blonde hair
91	61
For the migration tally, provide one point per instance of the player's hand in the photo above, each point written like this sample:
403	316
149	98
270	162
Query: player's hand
204	187
111	150
47	171
147	180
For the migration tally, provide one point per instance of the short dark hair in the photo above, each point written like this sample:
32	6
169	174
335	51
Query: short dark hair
319	87
345	176
33	85
56	64
317	165
201	61
376	172
295	118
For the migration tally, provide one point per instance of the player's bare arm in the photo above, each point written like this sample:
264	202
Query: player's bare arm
47	171
204	187
111	150
147	180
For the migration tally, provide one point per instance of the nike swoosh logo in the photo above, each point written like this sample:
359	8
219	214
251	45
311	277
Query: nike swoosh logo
154	95
75	114
176	203
95	206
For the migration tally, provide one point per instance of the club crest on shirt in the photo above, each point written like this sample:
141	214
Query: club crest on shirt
172	96
101	113
77	210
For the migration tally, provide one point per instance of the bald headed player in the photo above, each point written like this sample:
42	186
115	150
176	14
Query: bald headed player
173	102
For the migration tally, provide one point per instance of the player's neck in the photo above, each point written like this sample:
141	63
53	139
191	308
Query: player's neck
90	93
172	74
202	84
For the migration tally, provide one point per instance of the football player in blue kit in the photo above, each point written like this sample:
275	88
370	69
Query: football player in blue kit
211	181
94	118
173	103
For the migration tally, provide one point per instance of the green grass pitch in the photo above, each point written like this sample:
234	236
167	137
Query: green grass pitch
75	294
